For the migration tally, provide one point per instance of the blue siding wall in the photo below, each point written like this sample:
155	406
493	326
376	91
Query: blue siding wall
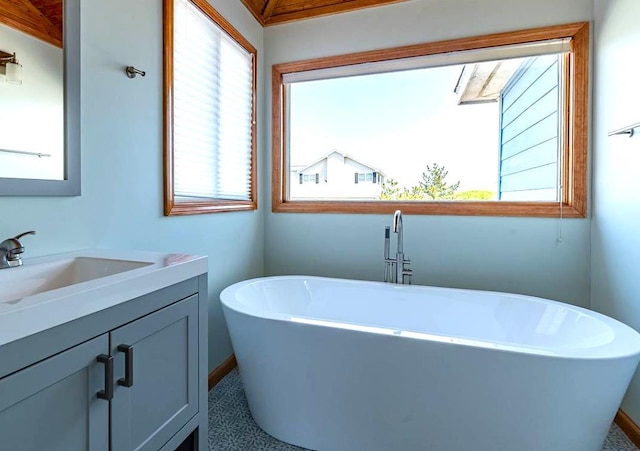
529	132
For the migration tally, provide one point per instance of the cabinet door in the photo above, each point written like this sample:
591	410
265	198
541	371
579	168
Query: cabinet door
160	393
53	405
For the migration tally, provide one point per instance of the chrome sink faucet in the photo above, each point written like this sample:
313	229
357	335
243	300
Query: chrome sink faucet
11	250
396	269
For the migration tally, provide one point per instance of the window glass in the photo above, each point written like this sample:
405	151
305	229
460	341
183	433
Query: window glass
466	132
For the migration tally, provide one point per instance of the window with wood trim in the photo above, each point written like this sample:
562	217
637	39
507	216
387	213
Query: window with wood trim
493	125
210	112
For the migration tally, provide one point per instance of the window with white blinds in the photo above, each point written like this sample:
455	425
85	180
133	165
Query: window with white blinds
212	111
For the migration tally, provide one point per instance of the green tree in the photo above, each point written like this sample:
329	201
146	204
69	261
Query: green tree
434	186
392	191
475	195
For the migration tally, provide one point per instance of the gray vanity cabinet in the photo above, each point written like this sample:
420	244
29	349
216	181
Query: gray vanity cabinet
53	406
155	377
132	377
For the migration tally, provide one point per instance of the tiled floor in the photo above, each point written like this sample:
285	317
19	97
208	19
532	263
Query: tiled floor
231	427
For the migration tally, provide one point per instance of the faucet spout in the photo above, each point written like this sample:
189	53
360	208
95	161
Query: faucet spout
397	228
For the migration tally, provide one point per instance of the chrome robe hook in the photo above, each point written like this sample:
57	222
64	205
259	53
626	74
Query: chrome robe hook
132	72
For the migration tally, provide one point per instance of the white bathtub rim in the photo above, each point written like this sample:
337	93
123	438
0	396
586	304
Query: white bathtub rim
626	342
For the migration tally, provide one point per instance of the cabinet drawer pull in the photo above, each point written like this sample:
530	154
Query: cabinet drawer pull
127	380
107	393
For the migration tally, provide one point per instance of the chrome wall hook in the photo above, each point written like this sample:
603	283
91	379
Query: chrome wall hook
132	72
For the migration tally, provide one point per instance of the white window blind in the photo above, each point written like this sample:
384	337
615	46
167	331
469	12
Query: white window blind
212	110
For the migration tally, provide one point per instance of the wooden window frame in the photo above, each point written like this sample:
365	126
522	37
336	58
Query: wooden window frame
573	203
171	206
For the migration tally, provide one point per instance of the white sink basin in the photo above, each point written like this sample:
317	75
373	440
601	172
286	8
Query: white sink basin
52	290
27	280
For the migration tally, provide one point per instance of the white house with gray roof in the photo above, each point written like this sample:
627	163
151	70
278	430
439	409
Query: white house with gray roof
336	175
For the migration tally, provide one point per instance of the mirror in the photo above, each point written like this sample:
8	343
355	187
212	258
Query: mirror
40	98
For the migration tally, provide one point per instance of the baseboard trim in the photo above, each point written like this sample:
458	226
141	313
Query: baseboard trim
222	370
629	427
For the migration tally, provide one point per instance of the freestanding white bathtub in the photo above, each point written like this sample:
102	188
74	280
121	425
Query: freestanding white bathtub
339	365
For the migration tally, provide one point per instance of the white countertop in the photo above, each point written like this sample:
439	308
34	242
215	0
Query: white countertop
38	312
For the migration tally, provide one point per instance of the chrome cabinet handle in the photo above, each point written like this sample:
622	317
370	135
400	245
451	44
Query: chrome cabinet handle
107	393
127	380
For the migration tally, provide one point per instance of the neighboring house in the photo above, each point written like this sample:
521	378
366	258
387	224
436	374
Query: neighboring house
336	175
529	106
528	93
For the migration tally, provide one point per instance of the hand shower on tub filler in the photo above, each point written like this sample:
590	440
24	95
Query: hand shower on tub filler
396	270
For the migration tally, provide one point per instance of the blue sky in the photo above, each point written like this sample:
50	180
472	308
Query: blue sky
398	122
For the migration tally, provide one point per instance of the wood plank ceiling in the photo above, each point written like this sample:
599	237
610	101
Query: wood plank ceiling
41	19
273	12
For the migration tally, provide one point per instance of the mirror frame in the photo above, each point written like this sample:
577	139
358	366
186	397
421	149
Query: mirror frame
71	185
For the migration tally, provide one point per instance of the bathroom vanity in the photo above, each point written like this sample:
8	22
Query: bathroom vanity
104	350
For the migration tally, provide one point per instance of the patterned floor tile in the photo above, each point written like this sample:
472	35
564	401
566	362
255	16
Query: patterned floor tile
231	427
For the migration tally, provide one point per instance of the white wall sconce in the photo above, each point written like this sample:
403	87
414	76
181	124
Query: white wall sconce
10	68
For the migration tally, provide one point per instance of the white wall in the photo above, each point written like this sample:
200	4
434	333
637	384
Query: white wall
507	254
615	234
121	202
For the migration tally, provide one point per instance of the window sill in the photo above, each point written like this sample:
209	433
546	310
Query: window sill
444	208
206	207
